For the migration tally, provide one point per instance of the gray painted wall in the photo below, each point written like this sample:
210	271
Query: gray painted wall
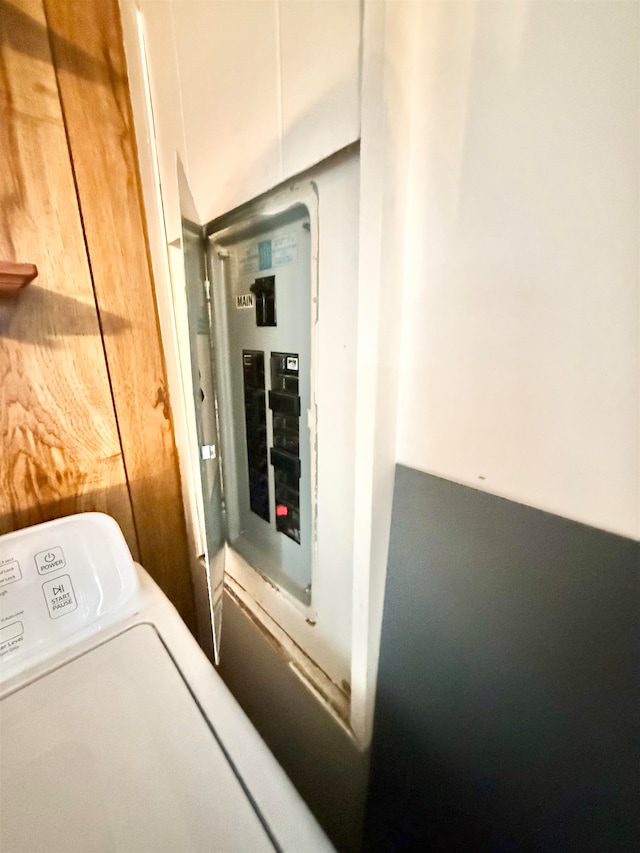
507	703
321	760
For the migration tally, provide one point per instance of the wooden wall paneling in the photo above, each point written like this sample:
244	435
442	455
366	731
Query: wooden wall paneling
90	64
60	451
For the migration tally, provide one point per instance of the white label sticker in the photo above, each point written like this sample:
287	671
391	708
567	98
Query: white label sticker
292	363
244	300
284	249
60	596
248	260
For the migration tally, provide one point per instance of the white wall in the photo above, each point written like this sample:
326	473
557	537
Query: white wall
387	85
520	334
252	92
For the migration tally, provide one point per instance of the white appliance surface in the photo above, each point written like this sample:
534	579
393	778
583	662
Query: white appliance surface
113	745
125	738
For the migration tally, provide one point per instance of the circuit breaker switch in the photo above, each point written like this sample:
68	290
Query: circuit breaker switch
284	403
264	289
286	462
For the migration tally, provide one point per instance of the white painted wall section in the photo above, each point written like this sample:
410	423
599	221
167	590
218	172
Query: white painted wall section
385	204
268	88
228	65
248	93
156	21
320	77
520	355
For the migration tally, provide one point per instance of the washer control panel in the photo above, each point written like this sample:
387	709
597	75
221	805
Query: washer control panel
59	581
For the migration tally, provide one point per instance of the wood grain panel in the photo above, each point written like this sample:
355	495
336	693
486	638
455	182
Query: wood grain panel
60	447
89	57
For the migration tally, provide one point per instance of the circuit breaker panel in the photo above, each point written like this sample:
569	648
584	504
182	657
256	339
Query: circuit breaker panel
262	281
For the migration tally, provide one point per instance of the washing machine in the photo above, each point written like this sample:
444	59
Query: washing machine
116	733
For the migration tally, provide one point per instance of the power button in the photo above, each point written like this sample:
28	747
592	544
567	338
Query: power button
50	560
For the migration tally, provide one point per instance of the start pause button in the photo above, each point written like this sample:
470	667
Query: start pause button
60	596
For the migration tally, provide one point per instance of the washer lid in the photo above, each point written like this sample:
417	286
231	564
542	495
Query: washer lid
111	752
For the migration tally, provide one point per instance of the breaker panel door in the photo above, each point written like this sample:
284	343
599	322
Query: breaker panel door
205	403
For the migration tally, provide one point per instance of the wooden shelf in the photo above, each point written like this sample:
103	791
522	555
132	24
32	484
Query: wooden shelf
14	276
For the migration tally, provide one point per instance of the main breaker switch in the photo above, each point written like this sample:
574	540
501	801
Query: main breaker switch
264	290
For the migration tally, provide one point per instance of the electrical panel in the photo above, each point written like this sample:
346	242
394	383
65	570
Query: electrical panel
262	278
